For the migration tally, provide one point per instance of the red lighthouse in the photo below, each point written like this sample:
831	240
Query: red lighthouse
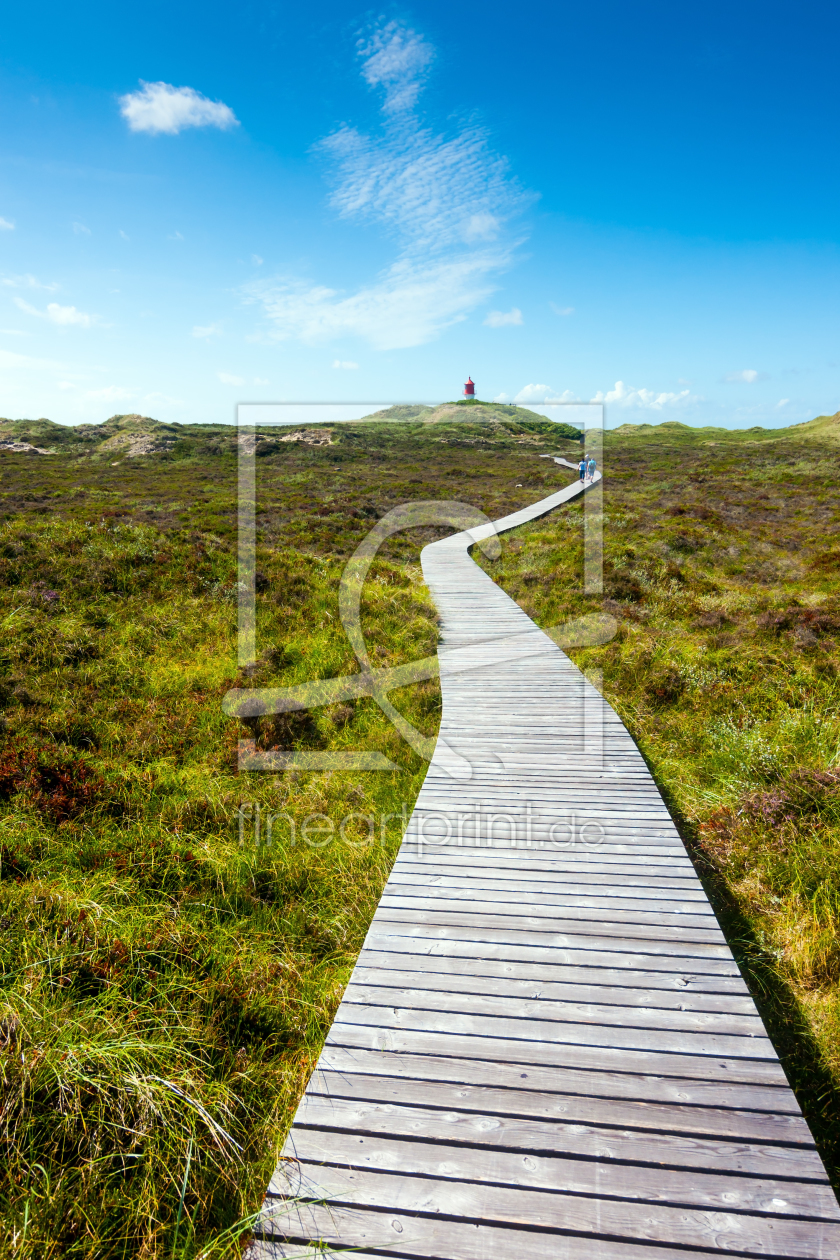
469	388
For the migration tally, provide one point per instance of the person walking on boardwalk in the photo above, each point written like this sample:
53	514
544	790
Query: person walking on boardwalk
590	468
582	468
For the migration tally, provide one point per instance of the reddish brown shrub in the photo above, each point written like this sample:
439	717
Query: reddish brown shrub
62	788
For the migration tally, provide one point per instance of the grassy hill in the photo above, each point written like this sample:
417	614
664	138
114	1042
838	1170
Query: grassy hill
169	976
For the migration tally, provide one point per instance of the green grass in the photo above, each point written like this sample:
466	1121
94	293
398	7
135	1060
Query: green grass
167	981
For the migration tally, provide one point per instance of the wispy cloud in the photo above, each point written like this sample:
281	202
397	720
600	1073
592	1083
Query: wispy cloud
81	230
227	379
207	330
63	315
538	394
411	303
6	225
561	310
447	202
498	319
749	376
110	393
397	59
647	399
29	282
161	109
345	365
256	260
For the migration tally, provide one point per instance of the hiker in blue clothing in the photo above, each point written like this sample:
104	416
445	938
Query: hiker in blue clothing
582	468
590	468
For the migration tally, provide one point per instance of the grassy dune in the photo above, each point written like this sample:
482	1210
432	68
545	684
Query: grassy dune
168	976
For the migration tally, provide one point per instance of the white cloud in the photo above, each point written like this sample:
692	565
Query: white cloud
409	306
81	230
67	315
124	235
783	402
432	193
498	319
259	380
111	393
446	201
227	379
6	225
207	330
749	375
346	364
63	315
540	394
160	108
562	310
256	260
175	236
28	282
13	332
648	399
397	59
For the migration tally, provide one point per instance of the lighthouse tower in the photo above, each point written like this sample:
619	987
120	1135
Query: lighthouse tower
469	388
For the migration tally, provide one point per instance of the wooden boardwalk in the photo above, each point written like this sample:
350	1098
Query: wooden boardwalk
546	1050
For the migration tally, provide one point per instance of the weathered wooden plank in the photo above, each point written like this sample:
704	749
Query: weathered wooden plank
631	938
631	873
599	891
559	1032
682	1227
534	929
523	1005
534	1170
552	983
557	949
616	911
584	1141
430	1083
626	882
443	1039
620	848
561	1085
402	1234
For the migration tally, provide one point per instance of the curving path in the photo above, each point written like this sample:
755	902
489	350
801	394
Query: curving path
546	1049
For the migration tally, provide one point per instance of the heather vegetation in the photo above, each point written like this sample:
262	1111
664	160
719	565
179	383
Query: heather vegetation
168	976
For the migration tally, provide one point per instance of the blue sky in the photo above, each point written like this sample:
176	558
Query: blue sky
626	202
